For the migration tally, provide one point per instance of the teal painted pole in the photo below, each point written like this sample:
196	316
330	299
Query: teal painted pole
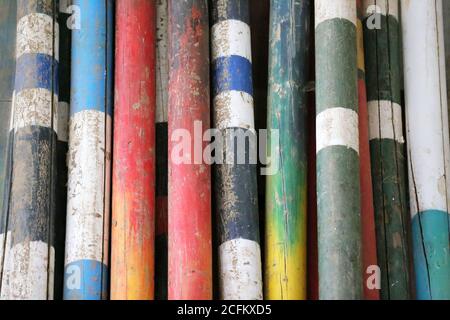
382	52
338	183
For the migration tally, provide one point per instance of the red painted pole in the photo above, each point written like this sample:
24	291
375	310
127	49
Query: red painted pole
369	242
132	265
190	256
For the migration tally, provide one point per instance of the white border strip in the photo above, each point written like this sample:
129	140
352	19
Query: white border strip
231	37
35	35
337	127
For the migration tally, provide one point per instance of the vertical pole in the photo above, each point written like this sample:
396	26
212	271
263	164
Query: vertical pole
133	210
428	145
29	251
338	186
382	45
162	79
62	146
240	273
369	246
89	156
446	13
8	25
190	249
286	195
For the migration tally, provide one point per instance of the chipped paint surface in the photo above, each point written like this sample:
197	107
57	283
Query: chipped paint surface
240	273
190	247
239	258
337	138
133	210
28	271
85	194
31	108
89	158
337	127
35	35
29	253
428	145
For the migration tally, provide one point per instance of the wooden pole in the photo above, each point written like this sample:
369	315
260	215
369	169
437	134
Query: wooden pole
446	13
8	24
162	79
382	48
286	195
428	145
369	246
338	184
133	197
89	159
29	250
240	273
190	248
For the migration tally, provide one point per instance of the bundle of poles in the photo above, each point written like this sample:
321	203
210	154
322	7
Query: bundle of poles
351	198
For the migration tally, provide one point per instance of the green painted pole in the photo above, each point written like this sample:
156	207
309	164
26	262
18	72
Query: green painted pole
286	192
382	52
338	183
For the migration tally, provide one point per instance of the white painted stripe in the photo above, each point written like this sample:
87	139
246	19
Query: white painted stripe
63	121
332	9
383	7
33	107
385	120
162	63
27	274
231	37
233	109
86	186
426	106
337	127
240	272
35	35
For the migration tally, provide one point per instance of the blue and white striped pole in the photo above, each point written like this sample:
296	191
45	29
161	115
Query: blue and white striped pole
88	203
29	251
240	274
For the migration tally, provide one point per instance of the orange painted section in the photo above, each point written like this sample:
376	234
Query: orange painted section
133	222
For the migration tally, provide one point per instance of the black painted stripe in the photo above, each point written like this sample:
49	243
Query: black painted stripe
230	9
236	194
31	203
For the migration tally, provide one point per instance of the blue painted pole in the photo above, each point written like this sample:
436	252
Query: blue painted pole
89	160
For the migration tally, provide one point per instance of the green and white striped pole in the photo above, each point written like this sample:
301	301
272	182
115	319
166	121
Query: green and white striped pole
338	187
383	76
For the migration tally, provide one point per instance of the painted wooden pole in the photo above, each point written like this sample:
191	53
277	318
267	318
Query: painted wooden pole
338	186
382	48
29	250
8	25
133	192
286	191
189	210
428	145
87	232
369	247
62	146
162	79
446	13
240	272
